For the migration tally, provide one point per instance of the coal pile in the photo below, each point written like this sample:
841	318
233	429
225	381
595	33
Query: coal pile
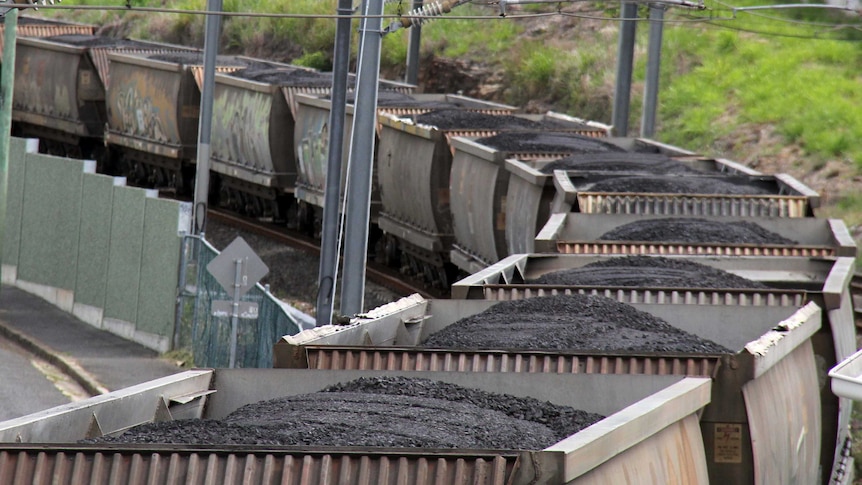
22	20
459	119
82	40
284	75
671	184
380	412
197	58
647	272
619	162
693	230
569	323
533	142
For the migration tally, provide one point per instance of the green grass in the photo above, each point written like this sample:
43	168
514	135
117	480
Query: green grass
719	80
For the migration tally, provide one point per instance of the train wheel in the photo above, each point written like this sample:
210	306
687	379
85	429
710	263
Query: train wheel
388	252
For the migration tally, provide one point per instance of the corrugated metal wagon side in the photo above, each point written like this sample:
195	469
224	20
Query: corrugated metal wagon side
791	199
650	422
578	233
533	195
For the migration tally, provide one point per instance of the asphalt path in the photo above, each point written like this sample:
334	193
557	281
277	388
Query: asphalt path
25	386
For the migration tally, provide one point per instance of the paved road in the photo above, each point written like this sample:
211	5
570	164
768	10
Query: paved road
24	388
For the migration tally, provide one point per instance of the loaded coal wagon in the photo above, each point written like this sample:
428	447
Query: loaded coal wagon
60	90
415	161
764	422
578	233
268	426
312	137
699	280
535	175
40	27
532	192
153	110
253	145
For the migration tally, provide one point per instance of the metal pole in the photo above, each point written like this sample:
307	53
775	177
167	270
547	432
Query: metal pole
656	29
625	58
361	160
329	236
202	176
234	316
7	87
413	43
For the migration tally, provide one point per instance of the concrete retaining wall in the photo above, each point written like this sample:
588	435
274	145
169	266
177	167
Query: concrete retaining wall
108	253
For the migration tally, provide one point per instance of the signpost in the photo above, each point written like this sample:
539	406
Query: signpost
237	269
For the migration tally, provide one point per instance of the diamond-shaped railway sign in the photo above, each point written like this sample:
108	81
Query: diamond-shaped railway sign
240	255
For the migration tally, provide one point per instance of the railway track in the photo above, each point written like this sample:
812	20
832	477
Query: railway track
379	274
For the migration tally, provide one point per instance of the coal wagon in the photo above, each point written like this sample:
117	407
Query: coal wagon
650	421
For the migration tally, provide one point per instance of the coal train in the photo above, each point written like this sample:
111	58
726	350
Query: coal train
450	195
546	224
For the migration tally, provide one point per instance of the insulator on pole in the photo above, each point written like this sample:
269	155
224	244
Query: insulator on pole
423	15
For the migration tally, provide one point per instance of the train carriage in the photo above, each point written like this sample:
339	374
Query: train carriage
766	386
650	423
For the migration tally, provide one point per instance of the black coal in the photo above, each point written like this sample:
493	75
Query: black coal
547	142
460	119
619	162
98	41
674	184
569	322
380	412
647	272
196	57
693	230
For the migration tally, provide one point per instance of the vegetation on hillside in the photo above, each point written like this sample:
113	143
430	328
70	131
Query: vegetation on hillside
778	89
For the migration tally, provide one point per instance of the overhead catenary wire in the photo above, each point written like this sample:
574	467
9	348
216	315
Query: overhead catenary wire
412	17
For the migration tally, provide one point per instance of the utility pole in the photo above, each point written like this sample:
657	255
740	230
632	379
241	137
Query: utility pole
361	159
656	29
202	174
7	87
415	39
625	59
332	197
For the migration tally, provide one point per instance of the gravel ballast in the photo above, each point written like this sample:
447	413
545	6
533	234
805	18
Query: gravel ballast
570	323
647	272
380	412
693	230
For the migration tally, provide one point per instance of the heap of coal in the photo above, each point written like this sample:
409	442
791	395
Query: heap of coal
284	75
676	184
569	323
24	20
548	142
646	272
459	119
99	41
197	58
694	230
619	162
383	412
